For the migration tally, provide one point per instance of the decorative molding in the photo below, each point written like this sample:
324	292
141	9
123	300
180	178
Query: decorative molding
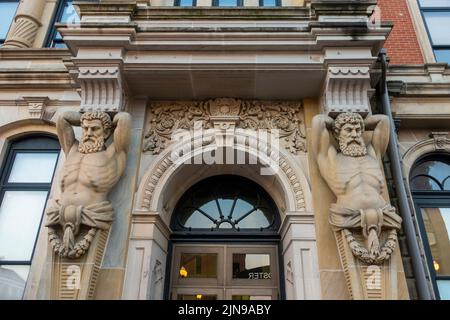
441	141
165	163
36	106
168	117
23	33
347	89
101	89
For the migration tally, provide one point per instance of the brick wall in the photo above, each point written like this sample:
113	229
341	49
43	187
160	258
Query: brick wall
402	44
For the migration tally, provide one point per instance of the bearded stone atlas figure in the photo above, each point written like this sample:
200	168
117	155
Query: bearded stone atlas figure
352	169
90	171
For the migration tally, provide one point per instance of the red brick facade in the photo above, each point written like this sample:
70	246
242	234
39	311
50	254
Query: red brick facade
402	44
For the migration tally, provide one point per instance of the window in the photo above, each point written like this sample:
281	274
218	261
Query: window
430	186
25	182
226	204
66	13
8	10
436	14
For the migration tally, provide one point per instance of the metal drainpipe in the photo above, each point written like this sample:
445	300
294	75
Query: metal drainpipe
397	172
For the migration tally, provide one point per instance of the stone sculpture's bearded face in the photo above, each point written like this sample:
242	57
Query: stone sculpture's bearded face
348	130
95	131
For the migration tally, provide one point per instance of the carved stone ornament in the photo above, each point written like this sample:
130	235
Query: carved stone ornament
347	89
90	171
441	140
167	117
353	171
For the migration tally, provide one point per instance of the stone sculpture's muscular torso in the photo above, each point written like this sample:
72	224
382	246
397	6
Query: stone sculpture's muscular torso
87	178
90	171
358	183
353	171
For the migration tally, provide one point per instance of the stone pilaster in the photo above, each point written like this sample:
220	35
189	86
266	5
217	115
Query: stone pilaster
26	24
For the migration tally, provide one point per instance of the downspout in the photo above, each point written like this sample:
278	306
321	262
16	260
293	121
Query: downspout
397	173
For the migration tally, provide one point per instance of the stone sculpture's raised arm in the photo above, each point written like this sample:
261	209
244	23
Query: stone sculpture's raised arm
65	131
321	140
380	125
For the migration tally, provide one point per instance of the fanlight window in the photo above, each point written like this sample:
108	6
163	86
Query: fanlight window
225	203
431	175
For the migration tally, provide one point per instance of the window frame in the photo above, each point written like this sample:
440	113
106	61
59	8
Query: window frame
434	47
2	40
51	41
430	199
269	233
27	144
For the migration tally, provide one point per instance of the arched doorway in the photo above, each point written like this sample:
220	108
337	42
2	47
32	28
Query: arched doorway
225	242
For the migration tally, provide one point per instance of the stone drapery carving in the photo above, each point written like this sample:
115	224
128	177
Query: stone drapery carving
352	169
90	171
167	117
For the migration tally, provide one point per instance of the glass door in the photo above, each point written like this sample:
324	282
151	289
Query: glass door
231	272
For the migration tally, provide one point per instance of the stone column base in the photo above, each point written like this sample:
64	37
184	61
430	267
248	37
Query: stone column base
76	279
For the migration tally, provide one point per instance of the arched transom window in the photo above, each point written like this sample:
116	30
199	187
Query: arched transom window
225	203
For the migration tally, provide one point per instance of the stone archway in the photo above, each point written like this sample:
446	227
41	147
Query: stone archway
173	172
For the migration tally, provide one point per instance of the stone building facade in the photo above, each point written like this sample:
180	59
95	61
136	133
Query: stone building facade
198	149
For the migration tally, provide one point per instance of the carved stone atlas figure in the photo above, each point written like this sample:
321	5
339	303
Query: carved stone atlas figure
90	171
352	169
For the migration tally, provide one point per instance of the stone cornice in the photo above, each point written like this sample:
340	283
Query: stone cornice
342	7
36	79
428	80
34	54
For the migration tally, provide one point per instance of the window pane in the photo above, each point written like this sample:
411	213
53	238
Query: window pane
256	218
251	266
7	12
430	175
434	3
12	281
438	23
196	297
186	3
20	216
442	55
228	3
444	289
69	15
269	3
33	167
198	265
437	226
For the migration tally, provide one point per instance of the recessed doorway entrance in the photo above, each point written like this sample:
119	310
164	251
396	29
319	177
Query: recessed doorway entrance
225	242
230	272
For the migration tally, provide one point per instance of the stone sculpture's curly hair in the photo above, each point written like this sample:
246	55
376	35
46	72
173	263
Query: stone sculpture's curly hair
98	115
347	117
